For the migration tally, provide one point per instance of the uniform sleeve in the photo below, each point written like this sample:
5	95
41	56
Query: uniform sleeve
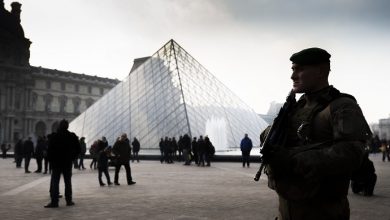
344	155
348	121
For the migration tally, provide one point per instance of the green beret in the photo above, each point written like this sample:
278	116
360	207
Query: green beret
311	56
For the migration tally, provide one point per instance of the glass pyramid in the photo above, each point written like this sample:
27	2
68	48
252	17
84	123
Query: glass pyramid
170	94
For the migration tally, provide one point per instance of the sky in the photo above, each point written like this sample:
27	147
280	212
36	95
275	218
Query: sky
246	44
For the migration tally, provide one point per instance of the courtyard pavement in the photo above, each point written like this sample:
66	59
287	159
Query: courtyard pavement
166	191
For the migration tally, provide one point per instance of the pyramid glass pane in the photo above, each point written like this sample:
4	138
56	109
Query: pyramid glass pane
170	94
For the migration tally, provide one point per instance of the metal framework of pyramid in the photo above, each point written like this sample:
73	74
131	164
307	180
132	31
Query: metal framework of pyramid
170	94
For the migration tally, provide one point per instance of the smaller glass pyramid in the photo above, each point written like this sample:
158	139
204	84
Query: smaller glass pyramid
170	94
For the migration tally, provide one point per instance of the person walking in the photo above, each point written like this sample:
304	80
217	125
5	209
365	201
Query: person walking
83	150
64	147
246	147
323	142
122	151
93	153
102	164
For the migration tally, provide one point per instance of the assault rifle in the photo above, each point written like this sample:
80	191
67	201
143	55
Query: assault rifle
276	135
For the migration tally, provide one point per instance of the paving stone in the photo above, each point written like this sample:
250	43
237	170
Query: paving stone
166	191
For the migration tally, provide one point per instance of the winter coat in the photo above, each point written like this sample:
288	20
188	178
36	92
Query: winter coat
136	145
122	151
246	144
64	147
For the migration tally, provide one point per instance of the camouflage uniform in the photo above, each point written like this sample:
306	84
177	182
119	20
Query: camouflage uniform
315	181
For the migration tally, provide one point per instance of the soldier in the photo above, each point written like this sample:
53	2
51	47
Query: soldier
324	144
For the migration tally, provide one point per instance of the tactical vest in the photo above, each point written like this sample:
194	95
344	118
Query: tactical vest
304	130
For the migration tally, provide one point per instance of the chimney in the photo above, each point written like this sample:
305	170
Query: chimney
15	11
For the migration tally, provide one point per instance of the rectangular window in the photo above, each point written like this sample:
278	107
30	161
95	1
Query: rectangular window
48	84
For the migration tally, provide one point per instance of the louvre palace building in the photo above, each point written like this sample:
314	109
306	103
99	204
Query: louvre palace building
34	99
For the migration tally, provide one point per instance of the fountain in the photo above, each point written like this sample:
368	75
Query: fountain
216	130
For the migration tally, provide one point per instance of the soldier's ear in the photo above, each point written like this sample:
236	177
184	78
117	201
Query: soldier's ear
324	69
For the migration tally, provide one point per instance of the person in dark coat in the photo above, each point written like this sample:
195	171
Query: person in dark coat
39	151
168	150
174	148
45	157
64	147
19	153
122	151
83	150
186	146
102	163
180	147
94	155
246	147
195	150
136	147
28	152
209	151
161	146
201	150
4	149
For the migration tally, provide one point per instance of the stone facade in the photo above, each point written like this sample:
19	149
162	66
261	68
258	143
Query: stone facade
384	129
34	99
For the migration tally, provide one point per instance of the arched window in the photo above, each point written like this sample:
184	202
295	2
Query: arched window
63	99
76	104
48	98
54	126
40	129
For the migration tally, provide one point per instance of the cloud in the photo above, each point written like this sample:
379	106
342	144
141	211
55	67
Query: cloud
307	12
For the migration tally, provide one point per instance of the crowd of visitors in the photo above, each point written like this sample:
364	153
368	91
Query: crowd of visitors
200	151
197	150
